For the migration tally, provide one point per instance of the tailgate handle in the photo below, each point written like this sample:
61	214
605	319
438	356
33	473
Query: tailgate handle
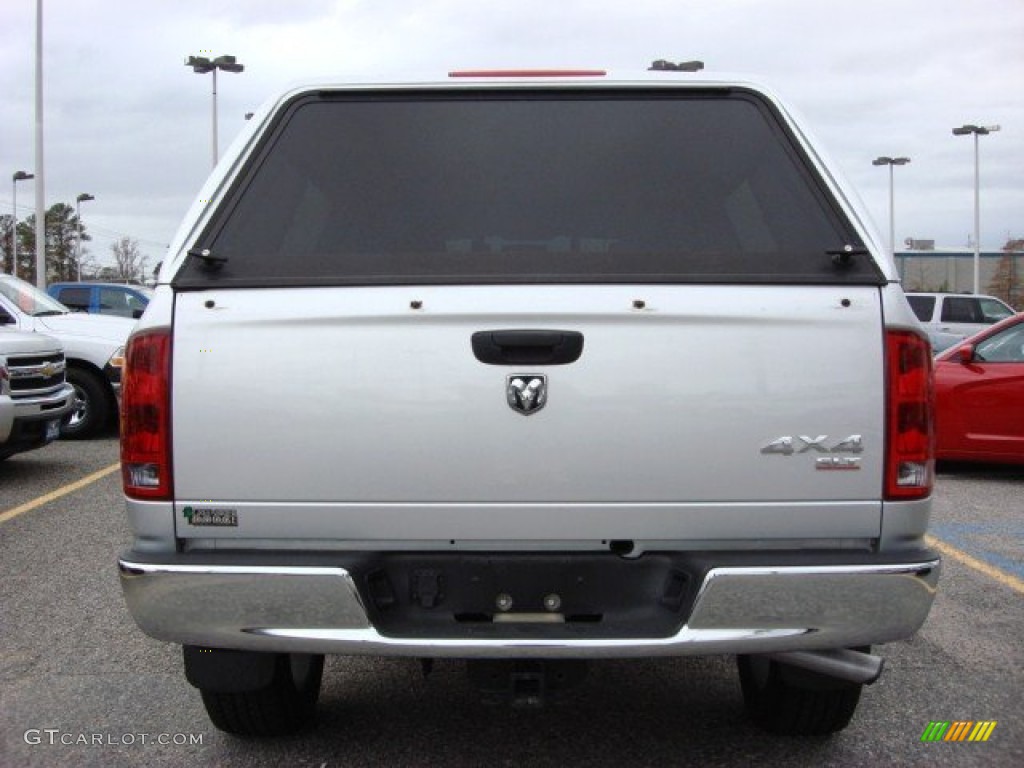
527	347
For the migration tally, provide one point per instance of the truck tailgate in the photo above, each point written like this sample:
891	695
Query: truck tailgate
693	412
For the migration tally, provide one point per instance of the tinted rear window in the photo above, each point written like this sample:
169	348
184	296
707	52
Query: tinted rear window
454	187
77	299
923	307
961	309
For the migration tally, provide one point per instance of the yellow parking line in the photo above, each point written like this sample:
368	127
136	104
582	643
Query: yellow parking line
28	506
991	571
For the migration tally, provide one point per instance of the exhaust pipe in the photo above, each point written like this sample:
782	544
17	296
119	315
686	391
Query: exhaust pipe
840	663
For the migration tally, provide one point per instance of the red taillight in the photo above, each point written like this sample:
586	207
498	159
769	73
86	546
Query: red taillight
146	416
910	450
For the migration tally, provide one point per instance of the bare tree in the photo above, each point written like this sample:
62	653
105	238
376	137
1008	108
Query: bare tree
130	263
1008	281
90	265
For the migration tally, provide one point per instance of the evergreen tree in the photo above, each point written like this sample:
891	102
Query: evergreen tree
6	245
61	244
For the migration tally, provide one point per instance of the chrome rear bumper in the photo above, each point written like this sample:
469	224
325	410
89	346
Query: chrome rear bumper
316	609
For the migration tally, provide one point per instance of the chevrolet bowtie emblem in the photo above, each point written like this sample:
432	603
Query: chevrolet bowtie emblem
50	369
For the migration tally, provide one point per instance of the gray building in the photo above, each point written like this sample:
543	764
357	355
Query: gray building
927	268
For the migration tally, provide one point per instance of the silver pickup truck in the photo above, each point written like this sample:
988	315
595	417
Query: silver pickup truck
529	369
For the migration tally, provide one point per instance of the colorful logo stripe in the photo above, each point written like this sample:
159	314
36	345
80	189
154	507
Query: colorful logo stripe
982	731
958	730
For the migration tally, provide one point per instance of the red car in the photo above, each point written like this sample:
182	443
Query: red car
979	396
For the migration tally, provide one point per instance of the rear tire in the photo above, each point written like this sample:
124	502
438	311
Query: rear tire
285	705
787	700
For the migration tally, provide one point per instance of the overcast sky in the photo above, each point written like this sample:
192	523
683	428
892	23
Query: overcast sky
126	121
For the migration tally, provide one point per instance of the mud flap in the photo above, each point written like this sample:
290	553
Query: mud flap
218	670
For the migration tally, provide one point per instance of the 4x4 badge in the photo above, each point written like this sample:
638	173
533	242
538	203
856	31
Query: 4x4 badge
527	393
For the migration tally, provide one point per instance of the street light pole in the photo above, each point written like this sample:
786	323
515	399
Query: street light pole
976	130
18	176
891	161
82	198
203	64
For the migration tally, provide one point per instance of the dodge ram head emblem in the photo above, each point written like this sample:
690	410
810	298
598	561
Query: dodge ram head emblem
527	392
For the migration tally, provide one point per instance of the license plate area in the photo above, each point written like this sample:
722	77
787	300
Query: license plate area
527	595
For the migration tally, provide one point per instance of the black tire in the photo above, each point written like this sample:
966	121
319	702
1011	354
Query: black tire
787	700
91	412
284	706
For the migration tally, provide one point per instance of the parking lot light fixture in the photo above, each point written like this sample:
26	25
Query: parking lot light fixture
18	176
891	161
82	198
203	64
976	131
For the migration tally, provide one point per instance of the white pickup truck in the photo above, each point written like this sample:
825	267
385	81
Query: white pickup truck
93	347
529	369
35	397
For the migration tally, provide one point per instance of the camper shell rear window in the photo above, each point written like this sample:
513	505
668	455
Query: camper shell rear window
464	186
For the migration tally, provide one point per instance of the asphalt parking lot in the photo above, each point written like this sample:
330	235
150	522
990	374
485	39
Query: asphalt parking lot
80	685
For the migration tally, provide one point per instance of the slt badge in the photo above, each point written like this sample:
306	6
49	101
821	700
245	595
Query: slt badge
527	393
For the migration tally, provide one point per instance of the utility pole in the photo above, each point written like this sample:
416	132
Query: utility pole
40	186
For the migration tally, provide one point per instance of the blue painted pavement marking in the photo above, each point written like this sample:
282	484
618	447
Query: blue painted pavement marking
978	540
